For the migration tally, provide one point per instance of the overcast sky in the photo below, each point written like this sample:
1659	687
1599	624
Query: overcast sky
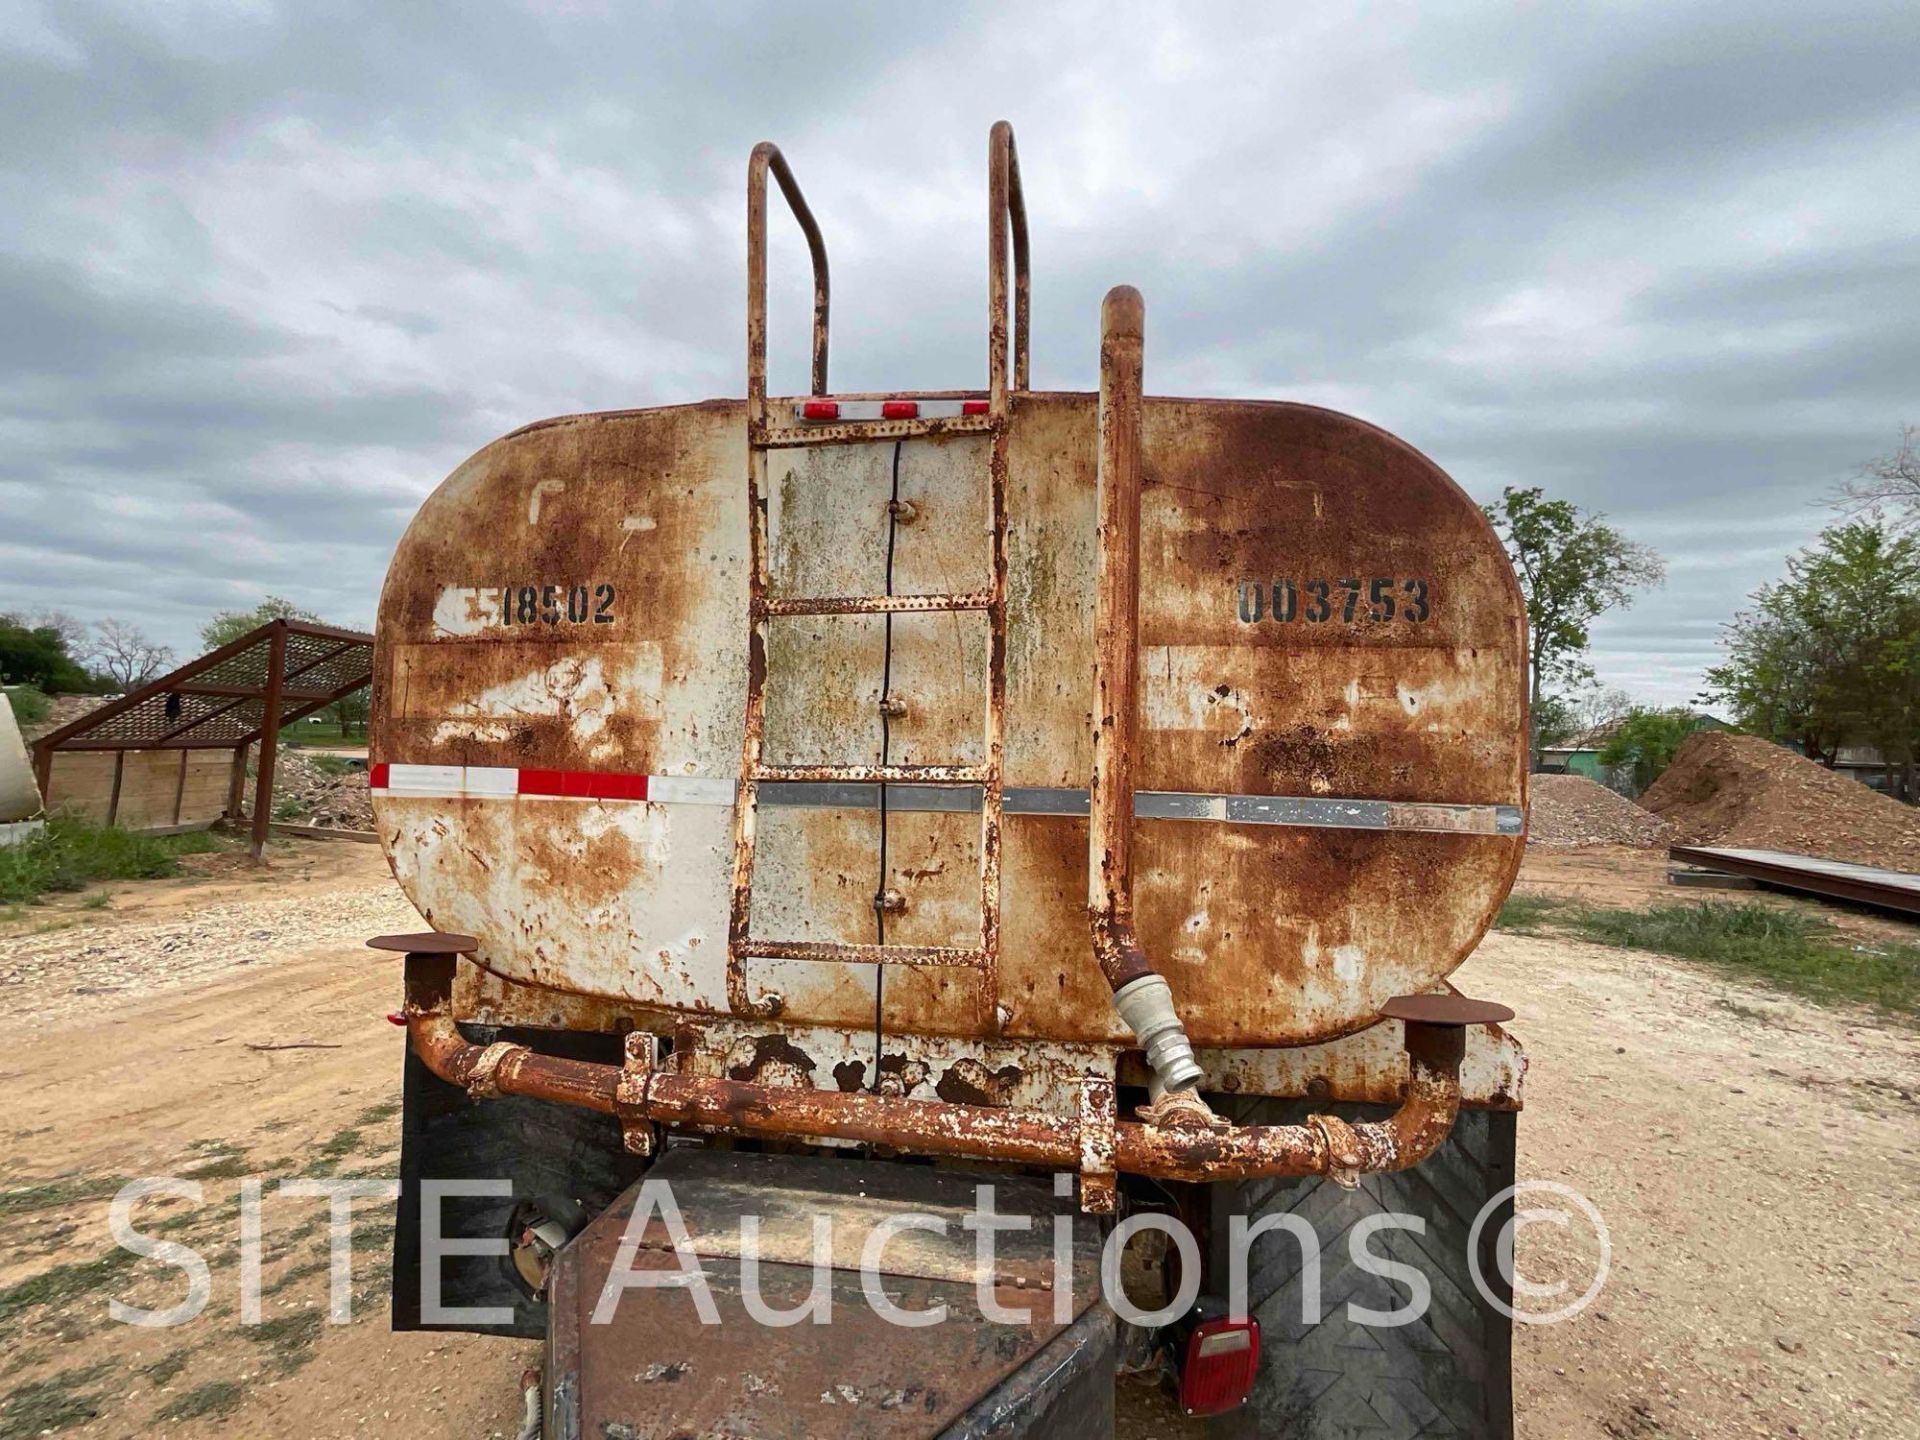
267	273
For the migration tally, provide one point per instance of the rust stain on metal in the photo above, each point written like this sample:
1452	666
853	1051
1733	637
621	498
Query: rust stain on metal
805	633
1200	1152
1116	675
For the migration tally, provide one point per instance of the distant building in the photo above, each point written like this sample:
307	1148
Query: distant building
1580	754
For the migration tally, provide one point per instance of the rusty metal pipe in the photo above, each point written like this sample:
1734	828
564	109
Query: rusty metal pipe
486	1071
1116	627
1140	994
1322	1146
1006	213
766	156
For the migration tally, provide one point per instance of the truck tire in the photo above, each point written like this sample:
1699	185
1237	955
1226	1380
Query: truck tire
1448	1372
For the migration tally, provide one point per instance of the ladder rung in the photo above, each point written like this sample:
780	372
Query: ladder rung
876	774
860	954
876	604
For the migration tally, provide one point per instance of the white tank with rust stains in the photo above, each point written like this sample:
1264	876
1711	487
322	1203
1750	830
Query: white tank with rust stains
19	792
1332	753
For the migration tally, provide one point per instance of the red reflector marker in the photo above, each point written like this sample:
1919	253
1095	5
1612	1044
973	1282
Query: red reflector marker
899	409
1222	1358
396	1017
821	410
974	407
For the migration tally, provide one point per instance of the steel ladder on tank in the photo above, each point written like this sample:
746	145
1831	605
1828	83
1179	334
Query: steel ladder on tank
1007	219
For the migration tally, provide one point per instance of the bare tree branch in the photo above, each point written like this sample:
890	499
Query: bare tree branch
1887	488
125	655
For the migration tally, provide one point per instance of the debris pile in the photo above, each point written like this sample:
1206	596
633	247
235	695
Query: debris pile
307	791
1740	790
1570	810
64	710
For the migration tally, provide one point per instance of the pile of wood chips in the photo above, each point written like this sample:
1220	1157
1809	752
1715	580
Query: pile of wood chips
1742	791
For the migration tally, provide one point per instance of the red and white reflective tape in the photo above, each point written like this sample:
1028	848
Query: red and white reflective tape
824	410
495	781
446	782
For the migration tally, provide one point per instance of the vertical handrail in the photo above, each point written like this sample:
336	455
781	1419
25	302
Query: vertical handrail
1116	669
1006	211
1140	993
766	156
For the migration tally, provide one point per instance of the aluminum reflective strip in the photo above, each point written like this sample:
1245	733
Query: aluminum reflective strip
475	781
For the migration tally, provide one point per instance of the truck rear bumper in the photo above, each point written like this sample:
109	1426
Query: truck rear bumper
1094	1142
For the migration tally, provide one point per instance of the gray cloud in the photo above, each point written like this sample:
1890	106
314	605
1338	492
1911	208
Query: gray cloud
270	271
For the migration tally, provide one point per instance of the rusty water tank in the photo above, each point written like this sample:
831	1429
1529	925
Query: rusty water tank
1331	761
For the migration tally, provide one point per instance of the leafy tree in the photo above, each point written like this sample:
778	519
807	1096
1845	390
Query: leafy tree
1644	743
350	712
1573	567
37	655
1776	680
1554	721
1831	654
229	625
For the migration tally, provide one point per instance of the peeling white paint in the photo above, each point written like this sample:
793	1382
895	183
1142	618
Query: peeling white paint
574	688
540	488
465	610
1349	963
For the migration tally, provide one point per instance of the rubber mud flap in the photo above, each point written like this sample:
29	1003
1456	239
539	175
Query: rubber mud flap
1448	1372
566	1161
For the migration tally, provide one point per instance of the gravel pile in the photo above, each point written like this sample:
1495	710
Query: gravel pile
1570	810
1740	790
59	971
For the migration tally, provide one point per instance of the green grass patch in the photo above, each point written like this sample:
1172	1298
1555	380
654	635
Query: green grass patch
204	1402
342	1145
30	705
167	1368
326	733
1526	914
59	1402
1793	950
305	1270
217	1160
62	1285
61	1191
289	1337
378	1114
69	855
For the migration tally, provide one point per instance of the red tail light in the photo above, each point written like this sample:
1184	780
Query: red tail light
899	409
396	1017
821	410
1217	1370
974	407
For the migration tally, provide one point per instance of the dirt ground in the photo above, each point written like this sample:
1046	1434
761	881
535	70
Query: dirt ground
1756	1161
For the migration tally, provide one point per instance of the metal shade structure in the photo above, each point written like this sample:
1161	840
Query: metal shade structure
274	675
